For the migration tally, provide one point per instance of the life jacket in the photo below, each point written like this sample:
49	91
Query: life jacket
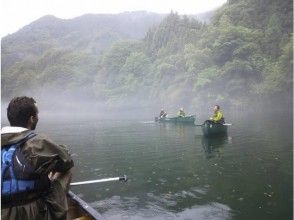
18	178
181	114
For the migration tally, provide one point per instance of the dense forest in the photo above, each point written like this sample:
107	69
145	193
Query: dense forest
242	56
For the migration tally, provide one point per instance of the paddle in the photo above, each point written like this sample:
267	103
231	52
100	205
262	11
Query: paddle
124	178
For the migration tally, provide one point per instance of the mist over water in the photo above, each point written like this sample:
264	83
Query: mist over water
56	103
75	106
78	104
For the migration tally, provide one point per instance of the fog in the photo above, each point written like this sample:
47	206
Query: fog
79	104
56	104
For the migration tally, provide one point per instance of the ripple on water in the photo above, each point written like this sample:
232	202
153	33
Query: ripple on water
163	200
199	190
162	180
213	211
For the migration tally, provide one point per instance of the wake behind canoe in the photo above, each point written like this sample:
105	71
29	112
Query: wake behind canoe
80	210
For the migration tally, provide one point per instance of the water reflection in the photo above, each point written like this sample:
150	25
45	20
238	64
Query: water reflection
213	146
178	130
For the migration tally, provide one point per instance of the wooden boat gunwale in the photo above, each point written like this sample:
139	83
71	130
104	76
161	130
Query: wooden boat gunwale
84	207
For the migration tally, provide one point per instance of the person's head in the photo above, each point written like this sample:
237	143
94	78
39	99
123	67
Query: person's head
23	112
216	108
181	109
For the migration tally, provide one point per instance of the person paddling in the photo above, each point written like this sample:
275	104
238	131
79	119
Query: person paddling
181	113
35	173
162	114
218	116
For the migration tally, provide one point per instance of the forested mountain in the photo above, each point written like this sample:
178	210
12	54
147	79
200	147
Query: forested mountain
242	56
65	54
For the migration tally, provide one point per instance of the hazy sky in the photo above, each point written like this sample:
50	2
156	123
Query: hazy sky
17	13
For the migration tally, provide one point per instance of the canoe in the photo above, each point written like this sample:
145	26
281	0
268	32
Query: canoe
179	120
78	209
209	128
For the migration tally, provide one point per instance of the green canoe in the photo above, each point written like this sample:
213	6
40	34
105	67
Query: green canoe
210	128
177	120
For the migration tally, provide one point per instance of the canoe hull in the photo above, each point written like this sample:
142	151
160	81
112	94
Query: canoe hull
177	120
214	129
79	209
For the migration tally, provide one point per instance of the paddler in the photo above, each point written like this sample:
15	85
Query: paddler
35	171
218	116
181	113
162	114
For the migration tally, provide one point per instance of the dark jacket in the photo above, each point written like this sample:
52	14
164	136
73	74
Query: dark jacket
45	156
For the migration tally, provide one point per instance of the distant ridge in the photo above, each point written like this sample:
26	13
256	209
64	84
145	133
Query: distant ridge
151	18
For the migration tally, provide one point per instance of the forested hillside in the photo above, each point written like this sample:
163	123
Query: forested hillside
242	56
65	54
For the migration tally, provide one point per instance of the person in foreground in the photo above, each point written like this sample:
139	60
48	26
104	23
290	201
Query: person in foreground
35	172
181	113
218	116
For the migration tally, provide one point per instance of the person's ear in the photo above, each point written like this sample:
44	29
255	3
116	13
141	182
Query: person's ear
34	119
31	120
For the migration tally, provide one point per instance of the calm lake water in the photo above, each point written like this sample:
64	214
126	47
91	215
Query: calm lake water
176	173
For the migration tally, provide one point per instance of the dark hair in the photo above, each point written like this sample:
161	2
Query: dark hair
20	109
217	106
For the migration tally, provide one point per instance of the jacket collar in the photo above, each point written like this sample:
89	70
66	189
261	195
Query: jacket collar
12	130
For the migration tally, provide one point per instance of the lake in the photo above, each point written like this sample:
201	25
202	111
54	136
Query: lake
176	173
